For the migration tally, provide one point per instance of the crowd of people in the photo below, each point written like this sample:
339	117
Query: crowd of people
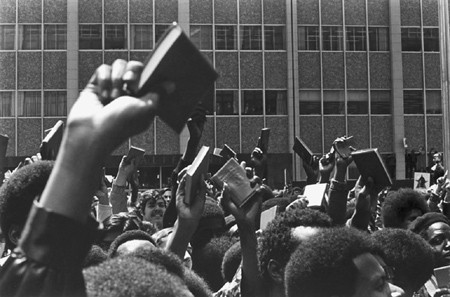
67	233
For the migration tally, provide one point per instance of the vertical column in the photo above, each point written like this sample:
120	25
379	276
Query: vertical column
183	21
445	54
72	53
397	87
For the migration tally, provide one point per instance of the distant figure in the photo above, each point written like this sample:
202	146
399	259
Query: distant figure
421	183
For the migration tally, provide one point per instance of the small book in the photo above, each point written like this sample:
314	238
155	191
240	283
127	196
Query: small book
135	152
370	163
301	149
315	194
267	216
236	178
227	152
193	175
176	59
263	140
442	275
50	145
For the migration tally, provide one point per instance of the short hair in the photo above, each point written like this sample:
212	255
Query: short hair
211	224
409	254
146	196
323	265
398	204
131	276
276	241
126	236
231	261
420	224
18	193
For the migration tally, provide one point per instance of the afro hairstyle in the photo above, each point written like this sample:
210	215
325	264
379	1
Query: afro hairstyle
409	254
231	261
95	256
398	204
196	284
127	236
282	203
276	241
323	265
211	224
18	193
131	276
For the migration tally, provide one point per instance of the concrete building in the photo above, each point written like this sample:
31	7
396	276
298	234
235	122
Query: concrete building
317	69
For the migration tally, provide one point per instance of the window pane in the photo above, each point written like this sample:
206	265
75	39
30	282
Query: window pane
90	37
431	39
380	102
434	103
55	37
115	37
411	39
225	37
30	37
227	102
356	38
274	38
276	103
308	38
379	39
357	102
251	38
252	102
141	36
6	104
7	35
333	102
55	103
332	38
160	30
310	102
201	36
29	103
413	102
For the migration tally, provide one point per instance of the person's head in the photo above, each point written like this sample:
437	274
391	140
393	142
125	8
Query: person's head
281	203
408	254
282	236
437	158
152	207
129	241
16	198
211	224
336	262
435	229
167	195
401	207
116	225
231	261
95	256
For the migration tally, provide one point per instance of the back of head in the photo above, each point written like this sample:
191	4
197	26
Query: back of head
399	204
95	256
131	276
277	241
323	266
128	236
409	254
18	193
196	284
231	261
212	224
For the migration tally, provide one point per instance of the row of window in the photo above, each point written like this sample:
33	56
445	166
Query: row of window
29	103
356	38
358	102
29	37
275	102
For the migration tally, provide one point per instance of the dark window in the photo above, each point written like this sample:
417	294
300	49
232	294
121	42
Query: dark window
357	102
55	37
30	37
251	38
308	38
227	102
380	102
90	37
276	103
333	102
379	39
413	102
115	37
7	36
434	102
411	41
160	30
141	36
6	104
309	102
55	103
332	38
356	38
274	38
201	36
29	103
431	39
252	102
225	37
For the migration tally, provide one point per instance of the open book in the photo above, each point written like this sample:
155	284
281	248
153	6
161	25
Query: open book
370	163
50	145
193	176
315	194
135	152
236	178
177	60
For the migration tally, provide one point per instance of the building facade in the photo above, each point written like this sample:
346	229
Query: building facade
317	69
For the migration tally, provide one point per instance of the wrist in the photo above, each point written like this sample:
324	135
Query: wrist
338	185
120	182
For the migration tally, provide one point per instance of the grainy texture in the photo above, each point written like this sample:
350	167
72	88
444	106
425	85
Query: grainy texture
167	141
29	73
87	63
311	132
382	133
90	11
145	140
200	11
355	12
251	129
8	11
251	70
415	131
225	11
166	11
358	126
333	74
228	132
430	12
8	127
356	70
380	71
334	126
410	12
309	70
412	71
30	11
55	70
308	12
8	71
432	71
434	132
378	12
116	11
274	12
279	134
332	12
141	11
275	70
30	137
55	11
227	67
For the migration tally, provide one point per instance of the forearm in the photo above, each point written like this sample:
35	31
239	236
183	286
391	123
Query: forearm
251	282
118	198
191	149
360	219
179	239
337	202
